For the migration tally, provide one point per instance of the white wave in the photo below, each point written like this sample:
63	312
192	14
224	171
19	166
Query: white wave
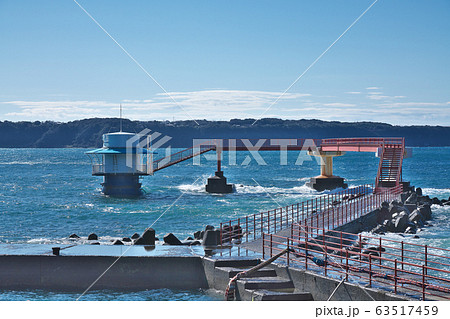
103	240
192	188
436	192
258	189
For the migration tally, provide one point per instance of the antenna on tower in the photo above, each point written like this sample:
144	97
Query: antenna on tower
121	117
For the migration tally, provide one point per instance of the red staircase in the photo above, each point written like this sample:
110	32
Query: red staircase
390	167
391	157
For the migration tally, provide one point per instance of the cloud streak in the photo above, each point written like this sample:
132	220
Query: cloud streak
211	104
217	104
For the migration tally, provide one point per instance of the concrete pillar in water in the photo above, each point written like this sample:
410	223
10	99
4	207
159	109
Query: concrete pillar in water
326	180
218	183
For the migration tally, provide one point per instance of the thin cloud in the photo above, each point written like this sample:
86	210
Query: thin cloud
340	104
211	104
220	104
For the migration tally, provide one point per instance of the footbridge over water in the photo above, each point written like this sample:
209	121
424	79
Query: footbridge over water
390	150
123	159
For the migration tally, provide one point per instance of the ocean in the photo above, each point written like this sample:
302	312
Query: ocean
48	194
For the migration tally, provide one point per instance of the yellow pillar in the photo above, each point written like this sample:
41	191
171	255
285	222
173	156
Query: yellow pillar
326	163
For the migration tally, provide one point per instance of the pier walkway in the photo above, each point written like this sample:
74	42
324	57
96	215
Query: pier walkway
314	231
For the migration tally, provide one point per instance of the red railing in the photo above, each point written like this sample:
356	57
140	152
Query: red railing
182	155
400	267
363	141
327	211
399	172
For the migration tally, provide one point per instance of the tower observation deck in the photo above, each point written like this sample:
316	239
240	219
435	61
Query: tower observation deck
121	161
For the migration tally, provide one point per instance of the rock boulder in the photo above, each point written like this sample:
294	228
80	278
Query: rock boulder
171	239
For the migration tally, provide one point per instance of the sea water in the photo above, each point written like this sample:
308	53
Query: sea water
48	194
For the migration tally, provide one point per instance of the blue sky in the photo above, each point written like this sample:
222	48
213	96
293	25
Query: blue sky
226	59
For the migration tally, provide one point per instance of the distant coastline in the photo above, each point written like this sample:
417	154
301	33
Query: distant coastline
87	133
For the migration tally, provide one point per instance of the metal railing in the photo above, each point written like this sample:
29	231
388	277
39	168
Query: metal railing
329	211
100	169
406	268
363	141
182	156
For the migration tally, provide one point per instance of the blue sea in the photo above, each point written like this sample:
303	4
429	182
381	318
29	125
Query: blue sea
48	194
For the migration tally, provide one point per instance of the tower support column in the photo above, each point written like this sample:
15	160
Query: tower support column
218	183
326	180
121	185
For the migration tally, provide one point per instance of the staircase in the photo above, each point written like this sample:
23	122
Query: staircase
390	167
263	285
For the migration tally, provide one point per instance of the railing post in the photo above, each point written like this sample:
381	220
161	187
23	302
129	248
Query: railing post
380	250
403	255
275	220
395	276
370	270
360	247
317	222
271	244
323	221
426	258
262	222
246	227
303	210
306	247
263	245
288	251
325	259
332	217
221	235
254	226
423	282
328	218
287	214
268	222
346	264
299	229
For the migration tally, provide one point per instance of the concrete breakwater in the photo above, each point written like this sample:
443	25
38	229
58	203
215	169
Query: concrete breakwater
76	273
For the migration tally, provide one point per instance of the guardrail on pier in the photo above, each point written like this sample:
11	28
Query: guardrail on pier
102	169
400	267
327	211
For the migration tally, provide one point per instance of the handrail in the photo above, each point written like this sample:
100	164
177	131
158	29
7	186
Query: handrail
183	155
375	141
389	266
328	211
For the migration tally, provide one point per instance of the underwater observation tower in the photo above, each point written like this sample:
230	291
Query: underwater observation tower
121	161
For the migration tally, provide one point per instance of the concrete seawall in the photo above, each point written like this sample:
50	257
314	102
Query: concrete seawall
322	287
76	273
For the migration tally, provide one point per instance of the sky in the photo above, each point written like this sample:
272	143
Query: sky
219	60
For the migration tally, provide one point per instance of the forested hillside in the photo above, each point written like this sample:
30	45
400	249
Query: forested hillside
87	133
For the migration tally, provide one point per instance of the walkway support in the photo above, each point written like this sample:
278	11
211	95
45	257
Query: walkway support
326	180
218	183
